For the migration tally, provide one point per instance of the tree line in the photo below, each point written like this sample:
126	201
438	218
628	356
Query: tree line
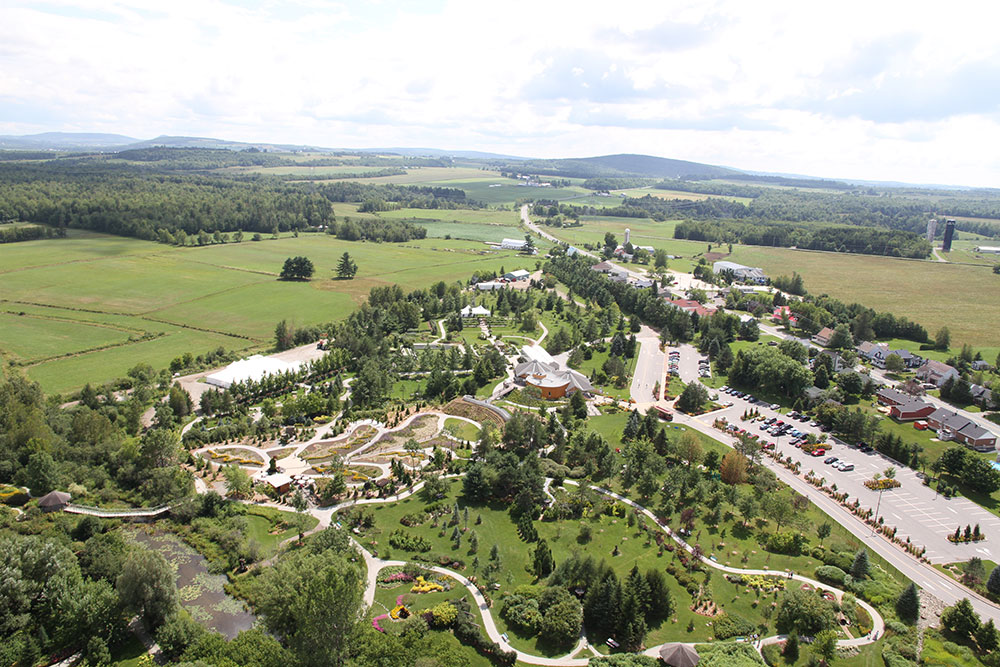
862	240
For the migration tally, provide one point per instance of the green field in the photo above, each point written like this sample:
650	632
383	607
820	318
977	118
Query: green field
111	303
966	299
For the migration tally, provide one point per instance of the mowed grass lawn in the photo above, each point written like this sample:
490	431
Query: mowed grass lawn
964	298
90	291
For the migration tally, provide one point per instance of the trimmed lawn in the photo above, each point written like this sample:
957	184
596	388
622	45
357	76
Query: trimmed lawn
462	429
259	526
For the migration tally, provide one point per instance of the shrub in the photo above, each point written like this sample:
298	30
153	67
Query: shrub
443	615
400	539
730	625
831	574
786	542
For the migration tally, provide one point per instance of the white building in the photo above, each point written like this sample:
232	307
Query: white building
253	368
989	249
490	285
475	311
747	274
513	244
520	274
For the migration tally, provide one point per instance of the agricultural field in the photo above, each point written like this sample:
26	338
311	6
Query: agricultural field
96	305
964	298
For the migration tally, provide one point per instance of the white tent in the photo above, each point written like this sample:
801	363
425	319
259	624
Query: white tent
252	368
475	311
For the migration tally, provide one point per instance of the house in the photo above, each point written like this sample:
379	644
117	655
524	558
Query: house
541	371
490	286
936	372
618	277
874	353
950	425
980	365
692	306
746	274
513	244
981	395
890	397
909	359
603	267
520	274
911	411
838	364
814	395
475	311
823	336
780	311
642	283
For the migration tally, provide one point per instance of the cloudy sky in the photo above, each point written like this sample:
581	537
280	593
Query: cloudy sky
878	90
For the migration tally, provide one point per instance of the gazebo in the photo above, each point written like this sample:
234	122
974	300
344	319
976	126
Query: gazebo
54	500
679	655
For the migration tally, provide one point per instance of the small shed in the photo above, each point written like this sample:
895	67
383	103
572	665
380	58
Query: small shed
280	482
54	501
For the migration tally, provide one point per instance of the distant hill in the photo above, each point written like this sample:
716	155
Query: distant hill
64	141
210	142
623	165
437	152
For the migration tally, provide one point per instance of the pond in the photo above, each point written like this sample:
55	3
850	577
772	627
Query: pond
201	594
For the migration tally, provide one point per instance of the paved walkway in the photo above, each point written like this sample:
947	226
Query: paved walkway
489	626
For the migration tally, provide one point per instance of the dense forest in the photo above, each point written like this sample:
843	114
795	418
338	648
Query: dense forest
159	205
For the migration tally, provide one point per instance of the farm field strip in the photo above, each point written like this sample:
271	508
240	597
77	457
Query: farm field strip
92	312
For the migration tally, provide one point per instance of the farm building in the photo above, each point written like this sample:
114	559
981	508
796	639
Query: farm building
520	274
252	368
513	244
747	274
603	267
489	286
988	249
952	426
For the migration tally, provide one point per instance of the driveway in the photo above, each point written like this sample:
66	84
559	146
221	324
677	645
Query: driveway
649	367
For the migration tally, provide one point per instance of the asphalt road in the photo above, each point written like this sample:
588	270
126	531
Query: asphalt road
649	367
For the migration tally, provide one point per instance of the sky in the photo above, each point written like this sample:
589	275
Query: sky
886	90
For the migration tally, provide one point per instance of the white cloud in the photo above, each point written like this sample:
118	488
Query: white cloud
858	89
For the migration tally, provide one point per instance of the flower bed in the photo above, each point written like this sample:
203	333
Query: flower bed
882	484
424	586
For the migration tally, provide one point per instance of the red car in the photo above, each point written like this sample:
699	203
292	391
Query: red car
819	452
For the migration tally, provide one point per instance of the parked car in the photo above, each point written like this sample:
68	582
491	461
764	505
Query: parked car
830	459
819	452
847	468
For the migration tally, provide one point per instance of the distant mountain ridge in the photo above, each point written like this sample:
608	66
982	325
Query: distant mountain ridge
623	165
65	141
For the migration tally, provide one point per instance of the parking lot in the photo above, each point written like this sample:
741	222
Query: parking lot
685	362
916	510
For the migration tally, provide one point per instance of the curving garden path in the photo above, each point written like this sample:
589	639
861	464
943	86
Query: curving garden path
374	565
